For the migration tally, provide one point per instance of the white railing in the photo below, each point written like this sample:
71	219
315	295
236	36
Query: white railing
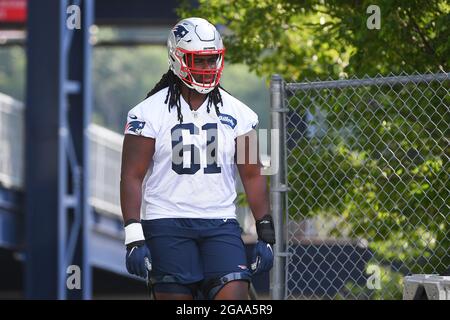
11	142
106	153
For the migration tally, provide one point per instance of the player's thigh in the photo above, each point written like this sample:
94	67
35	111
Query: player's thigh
234	290
174	252
222	248
224	260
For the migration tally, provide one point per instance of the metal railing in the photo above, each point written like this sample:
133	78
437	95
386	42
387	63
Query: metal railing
106	150
362	194
11	142
106	153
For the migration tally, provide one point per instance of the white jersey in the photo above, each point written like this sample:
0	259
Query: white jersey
194	172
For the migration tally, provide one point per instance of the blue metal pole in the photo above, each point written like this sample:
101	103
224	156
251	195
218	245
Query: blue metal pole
42	114
57	177
88	21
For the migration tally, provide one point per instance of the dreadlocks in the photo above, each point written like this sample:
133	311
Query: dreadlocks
170	80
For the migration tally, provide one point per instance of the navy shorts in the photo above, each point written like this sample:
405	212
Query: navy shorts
193	251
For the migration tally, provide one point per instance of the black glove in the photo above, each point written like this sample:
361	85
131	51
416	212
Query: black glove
265	229
262	259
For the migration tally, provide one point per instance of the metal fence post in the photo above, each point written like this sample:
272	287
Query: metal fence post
277	187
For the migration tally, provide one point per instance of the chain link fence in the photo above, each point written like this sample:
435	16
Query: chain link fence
366	166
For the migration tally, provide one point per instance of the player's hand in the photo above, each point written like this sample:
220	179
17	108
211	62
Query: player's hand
138	259
262	260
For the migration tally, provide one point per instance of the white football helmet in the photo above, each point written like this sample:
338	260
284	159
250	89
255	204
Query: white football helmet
188	41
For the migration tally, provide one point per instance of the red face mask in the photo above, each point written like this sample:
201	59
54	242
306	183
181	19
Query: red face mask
202	68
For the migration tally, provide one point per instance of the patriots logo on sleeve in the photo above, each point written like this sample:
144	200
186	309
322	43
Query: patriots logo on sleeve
135	127
179	32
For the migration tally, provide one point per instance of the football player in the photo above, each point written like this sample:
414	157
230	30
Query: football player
179	161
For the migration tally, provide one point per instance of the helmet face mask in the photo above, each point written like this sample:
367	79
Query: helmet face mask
196	54
201	69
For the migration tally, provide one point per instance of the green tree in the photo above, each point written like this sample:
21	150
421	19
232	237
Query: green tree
12	71
310	38
122	78
374	163
377	169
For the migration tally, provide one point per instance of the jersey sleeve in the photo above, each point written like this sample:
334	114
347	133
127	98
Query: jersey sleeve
139	123
247	120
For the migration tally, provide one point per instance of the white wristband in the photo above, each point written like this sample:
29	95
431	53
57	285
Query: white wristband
133	232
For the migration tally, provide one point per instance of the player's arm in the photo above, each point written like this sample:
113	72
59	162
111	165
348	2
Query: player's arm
137	154
249	167
255	186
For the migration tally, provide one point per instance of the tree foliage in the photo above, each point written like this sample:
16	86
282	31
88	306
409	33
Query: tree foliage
376	167
12	71
310	38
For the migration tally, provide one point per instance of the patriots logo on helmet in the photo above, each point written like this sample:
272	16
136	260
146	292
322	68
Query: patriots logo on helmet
135	126
179	32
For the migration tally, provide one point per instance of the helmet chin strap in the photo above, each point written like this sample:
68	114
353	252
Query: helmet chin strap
198	88
193	94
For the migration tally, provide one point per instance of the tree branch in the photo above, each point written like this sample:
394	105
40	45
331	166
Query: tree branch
422	36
